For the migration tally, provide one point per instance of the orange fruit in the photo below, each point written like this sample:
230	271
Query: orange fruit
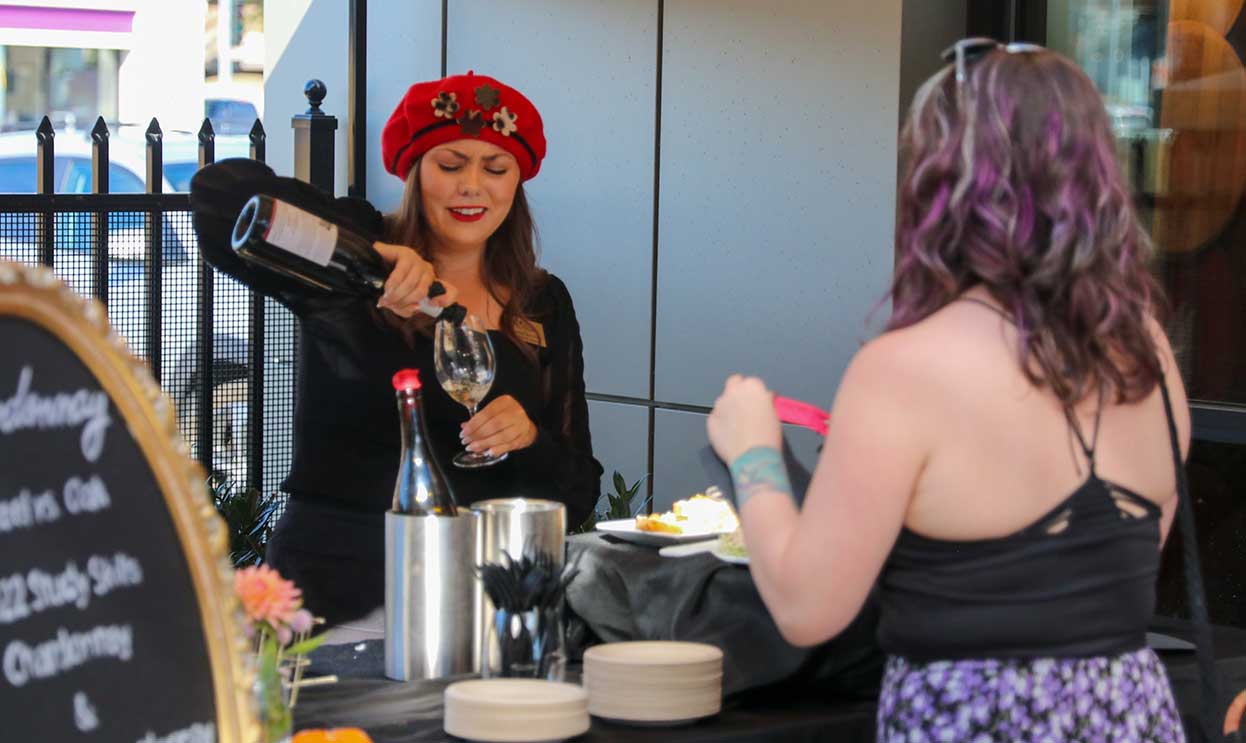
336	735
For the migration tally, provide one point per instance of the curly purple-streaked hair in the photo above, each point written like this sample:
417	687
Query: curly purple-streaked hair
1011	182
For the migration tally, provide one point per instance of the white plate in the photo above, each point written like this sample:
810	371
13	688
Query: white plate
691	548
626	530
733	559
515	710
653	723
655	653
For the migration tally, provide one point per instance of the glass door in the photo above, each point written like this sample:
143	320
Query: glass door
1173	78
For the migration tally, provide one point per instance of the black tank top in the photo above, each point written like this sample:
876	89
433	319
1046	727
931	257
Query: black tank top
1079	581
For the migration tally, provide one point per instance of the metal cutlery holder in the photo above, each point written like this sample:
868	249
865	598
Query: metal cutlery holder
512	526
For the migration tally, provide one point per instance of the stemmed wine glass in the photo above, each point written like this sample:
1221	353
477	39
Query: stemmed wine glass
465	363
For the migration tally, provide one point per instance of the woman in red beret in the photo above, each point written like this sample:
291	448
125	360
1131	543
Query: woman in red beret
463	146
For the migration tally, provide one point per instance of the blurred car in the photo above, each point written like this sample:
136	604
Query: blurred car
128	240
180	152
230	115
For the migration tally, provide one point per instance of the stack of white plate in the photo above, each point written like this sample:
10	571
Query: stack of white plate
507	709
654	682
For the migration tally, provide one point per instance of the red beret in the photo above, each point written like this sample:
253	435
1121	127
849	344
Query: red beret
439	111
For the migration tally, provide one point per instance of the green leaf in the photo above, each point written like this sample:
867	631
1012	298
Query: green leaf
306	646
617	505
268	654
249	516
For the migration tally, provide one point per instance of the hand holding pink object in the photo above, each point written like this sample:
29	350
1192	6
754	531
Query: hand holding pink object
801	414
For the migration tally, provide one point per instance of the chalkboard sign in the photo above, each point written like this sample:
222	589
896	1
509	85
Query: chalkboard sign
117	618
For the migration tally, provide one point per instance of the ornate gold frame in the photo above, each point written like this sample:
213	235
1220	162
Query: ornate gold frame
35	293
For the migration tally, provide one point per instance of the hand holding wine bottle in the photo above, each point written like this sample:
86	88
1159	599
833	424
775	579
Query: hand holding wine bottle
282	238
410	277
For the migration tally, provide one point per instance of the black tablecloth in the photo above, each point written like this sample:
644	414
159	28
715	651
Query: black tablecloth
625	592
776	692
393	712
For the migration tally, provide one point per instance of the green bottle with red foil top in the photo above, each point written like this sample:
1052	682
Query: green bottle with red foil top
421	488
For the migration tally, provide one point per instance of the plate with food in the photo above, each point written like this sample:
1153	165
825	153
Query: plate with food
697	518
731	548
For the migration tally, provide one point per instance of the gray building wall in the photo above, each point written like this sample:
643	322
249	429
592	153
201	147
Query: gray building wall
303	39
727	163
777	202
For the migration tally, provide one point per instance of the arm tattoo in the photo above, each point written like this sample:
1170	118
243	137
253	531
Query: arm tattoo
756	470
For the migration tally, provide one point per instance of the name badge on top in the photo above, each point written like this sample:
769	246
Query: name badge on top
531	332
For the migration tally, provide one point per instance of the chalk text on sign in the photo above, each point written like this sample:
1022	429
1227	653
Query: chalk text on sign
28	509
66	651
27	409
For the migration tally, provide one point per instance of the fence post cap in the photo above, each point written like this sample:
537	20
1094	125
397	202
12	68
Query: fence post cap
153	132
315	91
100	130
45	132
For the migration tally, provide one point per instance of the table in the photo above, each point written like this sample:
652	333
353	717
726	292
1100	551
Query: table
775	692
410	712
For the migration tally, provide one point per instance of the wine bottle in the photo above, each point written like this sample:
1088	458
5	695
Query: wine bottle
421	489
293	242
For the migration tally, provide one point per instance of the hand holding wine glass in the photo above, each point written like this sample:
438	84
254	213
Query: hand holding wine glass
499	427
465	363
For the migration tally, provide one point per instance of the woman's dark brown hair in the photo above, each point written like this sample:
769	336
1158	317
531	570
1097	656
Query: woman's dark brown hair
510	275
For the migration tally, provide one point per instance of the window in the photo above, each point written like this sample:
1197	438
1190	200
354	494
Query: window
17	175
124	180
230	116
179	174
1173	78
1175	86
120	178
71	86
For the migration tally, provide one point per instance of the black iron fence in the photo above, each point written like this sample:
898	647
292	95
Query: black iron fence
224	354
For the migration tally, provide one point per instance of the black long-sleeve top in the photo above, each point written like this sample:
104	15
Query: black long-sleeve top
346	426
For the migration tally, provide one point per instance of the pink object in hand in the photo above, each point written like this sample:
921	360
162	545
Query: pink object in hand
801	414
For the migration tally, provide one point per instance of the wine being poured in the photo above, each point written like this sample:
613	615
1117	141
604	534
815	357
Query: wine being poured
283	238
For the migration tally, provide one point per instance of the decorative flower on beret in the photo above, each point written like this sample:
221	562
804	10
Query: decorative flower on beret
435	112
445	105
504	122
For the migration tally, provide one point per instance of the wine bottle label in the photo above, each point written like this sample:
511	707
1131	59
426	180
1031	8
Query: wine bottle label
301	233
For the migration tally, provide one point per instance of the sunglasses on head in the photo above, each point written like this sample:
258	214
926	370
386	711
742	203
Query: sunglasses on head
968	50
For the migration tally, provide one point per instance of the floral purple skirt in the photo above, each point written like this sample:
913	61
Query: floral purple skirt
1121	699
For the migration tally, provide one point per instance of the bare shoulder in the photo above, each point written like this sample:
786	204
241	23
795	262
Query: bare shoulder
1172	380
942	366
897	364
937	348
888	397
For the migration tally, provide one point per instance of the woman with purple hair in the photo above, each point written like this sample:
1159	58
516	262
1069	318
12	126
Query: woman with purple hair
1003	460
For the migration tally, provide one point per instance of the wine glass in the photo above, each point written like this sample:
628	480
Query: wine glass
465	363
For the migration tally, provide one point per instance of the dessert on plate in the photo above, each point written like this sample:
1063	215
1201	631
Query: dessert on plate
698	514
